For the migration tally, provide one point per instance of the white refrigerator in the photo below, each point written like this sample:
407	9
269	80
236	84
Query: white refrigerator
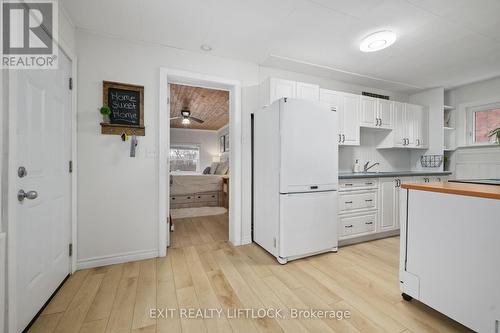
295	178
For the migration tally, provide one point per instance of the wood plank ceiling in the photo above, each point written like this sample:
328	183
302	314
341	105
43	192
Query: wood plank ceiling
209	105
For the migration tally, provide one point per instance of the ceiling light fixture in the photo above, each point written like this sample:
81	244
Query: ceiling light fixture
185	121
205	47
377	41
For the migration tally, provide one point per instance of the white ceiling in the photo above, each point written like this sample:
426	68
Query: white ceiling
440	42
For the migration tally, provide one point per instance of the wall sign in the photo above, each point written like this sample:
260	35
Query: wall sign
126	102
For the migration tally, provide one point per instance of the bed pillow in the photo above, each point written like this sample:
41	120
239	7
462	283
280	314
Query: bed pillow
222	168
213	168
206	171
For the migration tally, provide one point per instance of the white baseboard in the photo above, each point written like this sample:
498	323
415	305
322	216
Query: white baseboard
115	259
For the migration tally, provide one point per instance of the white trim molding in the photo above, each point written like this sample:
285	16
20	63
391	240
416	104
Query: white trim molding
235	125
116	259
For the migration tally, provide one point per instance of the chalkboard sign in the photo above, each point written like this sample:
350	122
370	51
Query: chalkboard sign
126	102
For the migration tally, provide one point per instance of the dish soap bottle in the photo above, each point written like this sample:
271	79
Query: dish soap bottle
357	167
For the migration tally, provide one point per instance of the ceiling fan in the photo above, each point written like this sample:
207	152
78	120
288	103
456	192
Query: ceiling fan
186	117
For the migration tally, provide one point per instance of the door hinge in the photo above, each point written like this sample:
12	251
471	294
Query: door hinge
70	166
70	83
70	249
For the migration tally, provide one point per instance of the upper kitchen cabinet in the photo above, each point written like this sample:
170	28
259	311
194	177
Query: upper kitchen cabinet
375	113
409	127
307	91
347	106
273	89
419	121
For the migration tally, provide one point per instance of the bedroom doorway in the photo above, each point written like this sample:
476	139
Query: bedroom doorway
225	201
199	157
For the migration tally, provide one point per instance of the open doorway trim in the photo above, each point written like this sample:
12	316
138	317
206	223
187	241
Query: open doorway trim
168	76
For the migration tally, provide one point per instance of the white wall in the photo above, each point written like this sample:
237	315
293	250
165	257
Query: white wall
207	140
473	162
117	194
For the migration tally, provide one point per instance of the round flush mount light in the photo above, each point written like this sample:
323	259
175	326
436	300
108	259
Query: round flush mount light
377	41
205	47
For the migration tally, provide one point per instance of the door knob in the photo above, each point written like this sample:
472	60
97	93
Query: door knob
31	195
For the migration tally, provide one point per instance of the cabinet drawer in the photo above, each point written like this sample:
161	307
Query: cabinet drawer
357	184
350	201
206	197
357	224
178	199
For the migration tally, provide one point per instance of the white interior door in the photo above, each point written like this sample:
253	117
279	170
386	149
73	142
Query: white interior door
309	146
41	140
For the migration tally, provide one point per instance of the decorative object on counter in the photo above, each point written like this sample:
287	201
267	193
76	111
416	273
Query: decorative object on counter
126	104
356	167
133	145
431	161
124	137
105	111
445	162
495	135
447	118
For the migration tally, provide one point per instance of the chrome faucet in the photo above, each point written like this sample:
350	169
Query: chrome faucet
366	167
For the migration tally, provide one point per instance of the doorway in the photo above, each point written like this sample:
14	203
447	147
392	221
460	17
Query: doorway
199	156
169	76
39	188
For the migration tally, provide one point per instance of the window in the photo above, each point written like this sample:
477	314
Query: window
482	121
185	158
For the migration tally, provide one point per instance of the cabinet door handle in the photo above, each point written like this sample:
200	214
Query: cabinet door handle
368	183
369	200
371	222
340	138
348	226
347	184
348	202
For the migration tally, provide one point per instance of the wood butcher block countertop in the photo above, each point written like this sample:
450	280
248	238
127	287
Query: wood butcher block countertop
472	190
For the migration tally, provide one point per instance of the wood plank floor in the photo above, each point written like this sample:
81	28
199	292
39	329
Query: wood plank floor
202	270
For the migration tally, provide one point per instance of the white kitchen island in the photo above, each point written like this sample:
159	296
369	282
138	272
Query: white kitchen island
450	251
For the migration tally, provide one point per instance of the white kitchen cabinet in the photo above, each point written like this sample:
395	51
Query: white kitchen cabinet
307	91
385	111
389	193
410	127
355	225
418	136
368	111
375	113
274	88
357	200
347	106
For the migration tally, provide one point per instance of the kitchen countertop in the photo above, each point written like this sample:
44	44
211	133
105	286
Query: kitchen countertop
351	175
472	190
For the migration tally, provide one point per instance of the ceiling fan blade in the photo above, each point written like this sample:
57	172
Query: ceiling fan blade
196	119
174	118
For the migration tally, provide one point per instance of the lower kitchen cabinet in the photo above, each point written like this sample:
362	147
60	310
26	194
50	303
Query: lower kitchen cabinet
389	202
354	225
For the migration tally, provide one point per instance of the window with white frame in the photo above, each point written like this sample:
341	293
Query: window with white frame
185	158
481	121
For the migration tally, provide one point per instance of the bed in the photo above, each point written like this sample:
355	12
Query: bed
195	190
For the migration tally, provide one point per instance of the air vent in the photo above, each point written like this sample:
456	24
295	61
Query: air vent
369	94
